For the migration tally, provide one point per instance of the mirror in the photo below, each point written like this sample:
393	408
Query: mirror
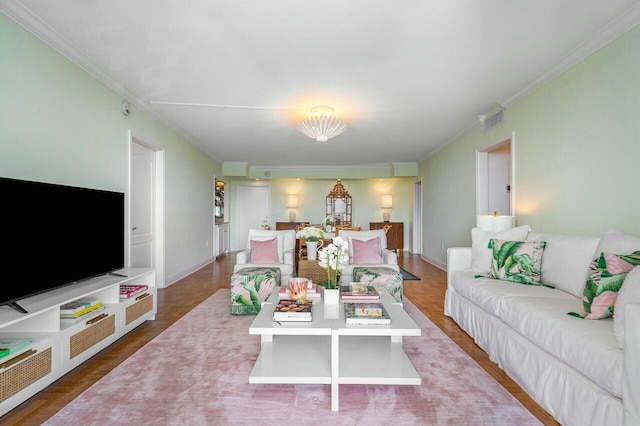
339	204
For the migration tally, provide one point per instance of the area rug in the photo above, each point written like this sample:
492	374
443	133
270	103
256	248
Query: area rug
196	373
406	275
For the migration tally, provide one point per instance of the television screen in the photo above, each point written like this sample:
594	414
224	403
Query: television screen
56	235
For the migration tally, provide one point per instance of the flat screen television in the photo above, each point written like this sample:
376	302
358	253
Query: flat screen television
56	235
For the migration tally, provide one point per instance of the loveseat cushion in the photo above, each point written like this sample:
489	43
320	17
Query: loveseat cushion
588	346
491	294
565	262
629	293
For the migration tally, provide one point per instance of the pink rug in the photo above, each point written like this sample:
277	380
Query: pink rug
196	373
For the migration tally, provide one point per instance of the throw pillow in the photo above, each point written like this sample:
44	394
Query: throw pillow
606	275
264	251
366	252
280	238
517	261
629	293
480	251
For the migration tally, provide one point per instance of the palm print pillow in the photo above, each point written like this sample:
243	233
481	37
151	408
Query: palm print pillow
606	275
517	261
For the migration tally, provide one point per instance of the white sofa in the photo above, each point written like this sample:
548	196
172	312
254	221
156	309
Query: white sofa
574	368
389	257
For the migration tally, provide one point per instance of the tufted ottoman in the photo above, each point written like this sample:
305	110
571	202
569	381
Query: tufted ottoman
388	278
250	287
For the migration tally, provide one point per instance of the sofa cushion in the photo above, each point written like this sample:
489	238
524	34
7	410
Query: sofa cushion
480	251
565	262
606	275
613	241
587	346
264	251
517	261
629	293
366	252
492	294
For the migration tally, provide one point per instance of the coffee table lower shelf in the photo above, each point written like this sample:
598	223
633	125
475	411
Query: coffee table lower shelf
294	360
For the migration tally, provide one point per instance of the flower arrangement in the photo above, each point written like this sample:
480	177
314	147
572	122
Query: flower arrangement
331	258
310	233
328	221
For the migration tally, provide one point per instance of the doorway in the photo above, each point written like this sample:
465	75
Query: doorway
494	178
253	207
416	246
146	208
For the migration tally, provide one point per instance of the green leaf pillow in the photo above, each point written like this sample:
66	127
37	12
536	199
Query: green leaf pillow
517	261
606	275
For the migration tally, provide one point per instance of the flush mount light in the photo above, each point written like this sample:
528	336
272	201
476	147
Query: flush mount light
321	124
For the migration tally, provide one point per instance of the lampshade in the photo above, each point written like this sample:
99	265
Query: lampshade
386	201
321	125
494	223
292	201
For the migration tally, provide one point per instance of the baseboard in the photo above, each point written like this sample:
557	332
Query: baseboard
180	275
435	263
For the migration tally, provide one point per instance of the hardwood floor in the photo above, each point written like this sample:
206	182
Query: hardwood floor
179	298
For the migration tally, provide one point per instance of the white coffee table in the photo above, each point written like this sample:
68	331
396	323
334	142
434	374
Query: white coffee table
328	351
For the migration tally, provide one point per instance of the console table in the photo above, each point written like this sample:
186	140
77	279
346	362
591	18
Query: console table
395	234
335	353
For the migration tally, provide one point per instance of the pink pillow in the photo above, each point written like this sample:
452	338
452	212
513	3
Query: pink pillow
366	252
264	251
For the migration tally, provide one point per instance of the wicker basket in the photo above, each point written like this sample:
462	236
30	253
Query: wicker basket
92	335
138	309
18	377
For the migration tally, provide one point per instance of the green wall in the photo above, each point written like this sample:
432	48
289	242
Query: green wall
576	156
58	124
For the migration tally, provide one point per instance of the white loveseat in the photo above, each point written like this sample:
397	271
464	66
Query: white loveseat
573	367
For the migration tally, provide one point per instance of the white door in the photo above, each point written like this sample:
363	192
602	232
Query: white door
253	206
143	172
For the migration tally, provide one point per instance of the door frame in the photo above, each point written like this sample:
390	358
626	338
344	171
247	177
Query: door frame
416	243
158	208
237	243
482	168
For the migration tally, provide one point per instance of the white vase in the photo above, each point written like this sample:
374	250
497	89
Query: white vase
312	250
331	296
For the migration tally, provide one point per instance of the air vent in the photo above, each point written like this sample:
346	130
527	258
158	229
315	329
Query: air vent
494	121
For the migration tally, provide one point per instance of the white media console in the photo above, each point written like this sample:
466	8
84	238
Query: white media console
57	348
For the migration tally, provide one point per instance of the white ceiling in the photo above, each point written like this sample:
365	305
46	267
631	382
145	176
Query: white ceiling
407	76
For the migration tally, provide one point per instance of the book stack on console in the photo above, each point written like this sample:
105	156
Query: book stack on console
366	314
358	291
127	291
292	310
11	345
313	292
78	310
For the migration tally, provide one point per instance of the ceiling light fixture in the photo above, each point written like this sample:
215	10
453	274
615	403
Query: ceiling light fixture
321	125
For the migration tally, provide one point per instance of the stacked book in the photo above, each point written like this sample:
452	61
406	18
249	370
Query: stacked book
366	314
358	291
127	291
314	291
292	310
11	345
75	311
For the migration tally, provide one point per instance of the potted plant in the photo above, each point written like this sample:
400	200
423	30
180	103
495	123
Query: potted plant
331	258
313	237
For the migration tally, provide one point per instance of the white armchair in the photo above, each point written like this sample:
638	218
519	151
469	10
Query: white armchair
388	257
286	252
